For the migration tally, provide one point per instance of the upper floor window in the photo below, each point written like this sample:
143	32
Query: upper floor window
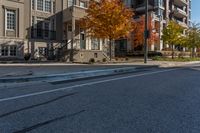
82	4
54	7
11	19
33	4
70	3
40	5
47	5
44	5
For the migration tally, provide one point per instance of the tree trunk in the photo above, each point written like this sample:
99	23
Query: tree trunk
172	51
193	53
110	49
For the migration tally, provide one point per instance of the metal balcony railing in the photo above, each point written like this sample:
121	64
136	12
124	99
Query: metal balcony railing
179	10
43	34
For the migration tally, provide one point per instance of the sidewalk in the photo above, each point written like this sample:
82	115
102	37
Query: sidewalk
20	70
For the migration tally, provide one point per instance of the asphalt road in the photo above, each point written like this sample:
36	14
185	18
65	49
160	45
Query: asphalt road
154	101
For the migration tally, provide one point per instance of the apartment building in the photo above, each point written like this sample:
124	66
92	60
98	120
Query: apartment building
47	29
12	33
161	11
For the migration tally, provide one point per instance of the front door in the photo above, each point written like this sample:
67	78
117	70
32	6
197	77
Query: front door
82	41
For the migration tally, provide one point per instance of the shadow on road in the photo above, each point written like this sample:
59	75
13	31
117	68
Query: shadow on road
47	122
36	105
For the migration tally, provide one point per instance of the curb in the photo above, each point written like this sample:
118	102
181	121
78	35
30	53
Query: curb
74	75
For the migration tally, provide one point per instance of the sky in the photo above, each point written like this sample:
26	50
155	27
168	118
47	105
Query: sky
196	11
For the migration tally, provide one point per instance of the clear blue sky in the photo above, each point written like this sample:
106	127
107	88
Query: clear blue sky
196	10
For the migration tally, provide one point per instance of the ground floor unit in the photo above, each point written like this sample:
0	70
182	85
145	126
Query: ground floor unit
15	49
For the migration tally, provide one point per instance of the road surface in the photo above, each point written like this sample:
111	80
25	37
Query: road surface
153	101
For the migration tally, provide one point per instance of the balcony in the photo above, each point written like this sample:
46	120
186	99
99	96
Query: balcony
141	8
75	11
180	13
181	2
182	23
43	34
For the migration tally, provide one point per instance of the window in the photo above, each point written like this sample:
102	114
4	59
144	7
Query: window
47	5
33	21
33	26
33	4
39	28
4	50
11	16
82	4
54	7
70	3
53	24
13	50
95	55
46	27
95	44
40	5
69	27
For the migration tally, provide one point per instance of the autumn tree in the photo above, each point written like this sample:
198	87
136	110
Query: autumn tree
138	34
172	35
108	19
192	38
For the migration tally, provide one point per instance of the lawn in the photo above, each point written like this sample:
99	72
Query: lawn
181	59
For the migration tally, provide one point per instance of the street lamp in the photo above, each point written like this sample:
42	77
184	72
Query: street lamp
146	33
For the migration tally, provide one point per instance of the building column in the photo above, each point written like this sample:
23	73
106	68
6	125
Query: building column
72	37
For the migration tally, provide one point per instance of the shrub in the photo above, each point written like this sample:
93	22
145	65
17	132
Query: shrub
104	60
27	56
92	60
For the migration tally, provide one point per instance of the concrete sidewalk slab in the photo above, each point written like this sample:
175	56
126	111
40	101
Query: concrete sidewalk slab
29	70
35	70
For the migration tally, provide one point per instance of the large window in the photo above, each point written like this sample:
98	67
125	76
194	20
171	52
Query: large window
4	50
44	5
11	19
47	5
13	50
40	5
46	31
95	44
39	28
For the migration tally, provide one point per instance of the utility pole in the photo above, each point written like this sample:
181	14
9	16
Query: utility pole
146	33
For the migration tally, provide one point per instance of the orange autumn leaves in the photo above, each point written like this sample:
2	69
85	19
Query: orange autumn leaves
111	19
108	19
138	33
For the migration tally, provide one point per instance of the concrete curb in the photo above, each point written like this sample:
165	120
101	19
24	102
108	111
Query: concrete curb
74	75
177	64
